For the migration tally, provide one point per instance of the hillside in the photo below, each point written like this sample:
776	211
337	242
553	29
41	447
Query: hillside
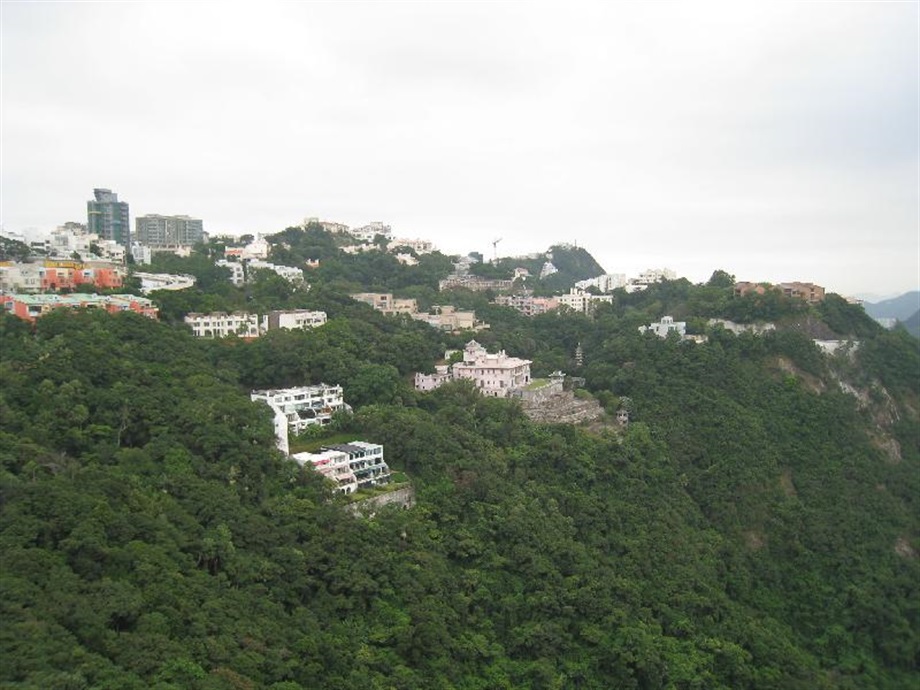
571	263
755	526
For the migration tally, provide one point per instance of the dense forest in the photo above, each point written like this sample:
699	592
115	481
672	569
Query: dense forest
755	526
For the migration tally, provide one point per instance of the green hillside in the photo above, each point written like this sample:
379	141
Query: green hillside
755	526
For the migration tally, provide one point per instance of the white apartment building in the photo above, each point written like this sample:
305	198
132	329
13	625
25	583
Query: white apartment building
237	274
19	277
294	319
649	277
163	281
352	466
583	302
367	233
428	382
222	324
298	408
607	282
289	273
495	375
665	326
416	245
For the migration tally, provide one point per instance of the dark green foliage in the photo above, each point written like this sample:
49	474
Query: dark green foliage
847	319
749	529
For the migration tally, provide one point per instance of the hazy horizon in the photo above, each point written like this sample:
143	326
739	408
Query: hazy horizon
775	142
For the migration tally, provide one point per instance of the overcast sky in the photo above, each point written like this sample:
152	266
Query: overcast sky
778	141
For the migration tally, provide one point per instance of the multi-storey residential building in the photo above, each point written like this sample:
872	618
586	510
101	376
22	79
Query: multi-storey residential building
289	273
352	466
496	375
368	232
296	319
154	230
607	282
448	318
52	276
665	326
19	277
809	292
107	217
259	248
71	238
583	302
151	282
648	277
527	304
298	408
222	324
237	274
471	282
416	245
385	303
428	382
31	307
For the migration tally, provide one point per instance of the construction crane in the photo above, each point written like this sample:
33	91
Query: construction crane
495	249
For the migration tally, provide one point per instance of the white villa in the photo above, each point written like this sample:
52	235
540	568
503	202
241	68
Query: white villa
352	466
665	326
296	319
495	375
298	408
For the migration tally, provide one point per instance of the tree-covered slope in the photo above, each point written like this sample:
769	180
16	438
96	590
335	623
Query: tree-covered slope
755	527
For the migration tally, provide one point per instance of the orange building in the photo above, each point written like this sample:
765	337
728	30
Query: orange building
31	307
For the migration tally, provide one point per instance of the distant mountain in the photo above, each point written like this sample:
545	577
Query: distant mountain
912	324
901	308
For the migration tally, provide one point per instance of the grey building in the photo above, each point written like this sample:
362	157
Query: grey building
108	217
168	231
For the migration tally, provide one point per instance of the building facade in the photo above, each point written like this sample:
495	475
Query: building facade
222	324
665	326
107	217
385	303
294	319
295	409
168	231
496	375
352	466
583	302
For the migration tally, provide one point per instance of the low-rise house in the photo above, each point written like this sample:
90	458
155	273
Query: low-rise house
31	307
298	408
665	326
650	276
352	466
428	382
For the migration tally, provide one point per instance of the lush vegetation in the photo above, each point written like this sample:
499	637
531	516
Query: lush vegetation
755	527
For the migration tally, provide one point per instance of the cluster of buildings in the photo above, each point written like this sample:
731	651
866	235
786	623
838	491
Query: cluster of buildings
444	317
351	466
31	307
497	375
245	325
808	292
52	275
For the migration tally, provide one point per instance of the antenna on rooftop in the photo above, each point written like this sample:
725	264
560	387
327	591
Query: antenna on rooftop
495	249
